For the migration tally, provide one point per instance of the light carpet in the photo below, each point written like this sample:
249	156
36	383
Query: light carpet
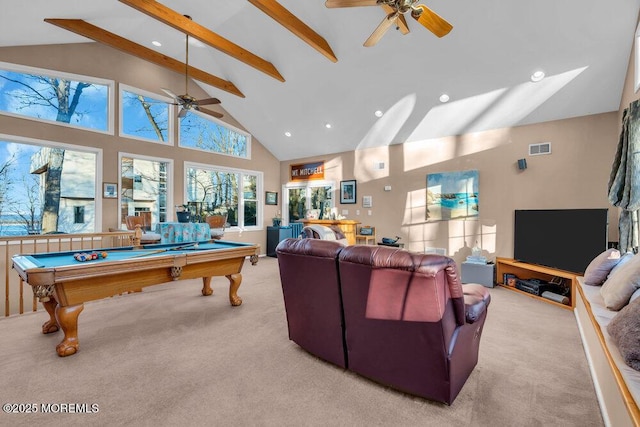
171	357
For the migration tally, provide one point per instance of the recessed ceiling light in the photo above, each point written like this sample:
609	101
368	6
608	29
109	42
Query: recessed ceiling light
327	125
287	133
378	113
156	43
444	97
537	76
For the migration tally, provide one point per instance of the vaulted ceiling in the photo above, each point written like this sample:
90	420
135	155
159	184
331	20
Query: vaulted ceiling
298	81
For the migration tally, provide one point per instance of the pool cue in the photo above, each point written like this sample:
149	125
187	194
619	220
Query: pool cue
177	248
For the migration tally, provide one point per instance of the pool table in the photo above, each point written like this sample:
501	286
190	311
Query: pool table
63	284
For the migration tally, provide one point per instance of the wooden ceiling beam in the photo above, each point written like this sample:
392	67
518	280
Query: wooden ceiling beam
181	23
92	32
292	23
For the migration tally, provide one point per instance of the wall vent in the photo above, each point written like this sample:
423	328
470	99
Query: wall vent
378	166
538	149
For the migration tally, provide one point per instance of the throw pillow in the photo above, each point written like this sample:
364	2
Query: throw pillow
624	329
598	269
621	284
625	258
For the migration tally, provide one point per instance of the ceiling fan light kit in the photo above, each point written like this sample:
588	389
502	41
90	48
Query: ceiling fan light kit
395	10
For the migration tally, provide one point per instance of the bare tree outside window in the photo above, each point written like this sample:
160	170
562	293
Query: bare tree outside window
60	100
208	134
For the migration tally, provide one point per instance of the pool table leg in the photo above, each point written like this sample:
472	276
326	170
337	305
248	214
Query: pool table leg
68	320
234	284
50	325
206	286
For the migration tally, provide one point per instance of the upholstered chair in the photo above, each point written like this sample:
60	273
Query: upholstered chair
409	322
144	223
217	223
317	231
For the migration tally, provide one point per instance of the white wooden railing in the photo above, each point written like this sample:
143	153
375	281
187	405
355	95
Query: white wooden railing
17	294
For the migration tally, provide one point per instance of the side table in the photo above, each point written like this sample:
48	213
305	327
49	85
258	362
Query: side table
483	274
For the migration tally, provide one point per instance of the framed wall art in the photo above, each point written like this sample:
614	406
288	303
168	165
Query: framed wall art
110	190
452	195
348	192
271	198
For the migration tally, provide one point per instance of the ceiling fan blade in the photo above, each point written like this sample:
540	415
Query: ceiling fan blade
350	3
384	26
401	23
183	112
209	112
208	101
432	22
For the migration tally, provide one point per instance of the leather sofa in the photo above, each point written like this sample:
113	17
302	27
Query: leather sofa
311	291
317	231
399	318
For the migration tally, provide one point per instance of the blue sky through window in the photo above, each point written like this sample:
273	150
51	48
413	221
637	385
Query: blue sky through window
204	133
36	96
144	117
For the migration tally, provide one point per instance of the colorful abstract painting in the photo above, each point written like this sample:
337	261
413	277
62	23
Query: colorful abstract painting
452	195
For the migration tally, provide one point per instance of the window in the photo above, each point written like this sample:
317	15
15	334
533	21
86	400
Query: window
48	187
143	186
145	116
78	214
232	192
250	198
201	132
53	96
314	199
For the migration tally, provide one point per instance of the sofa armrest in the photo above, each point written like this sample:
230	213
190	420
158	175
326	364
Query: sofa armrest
476	301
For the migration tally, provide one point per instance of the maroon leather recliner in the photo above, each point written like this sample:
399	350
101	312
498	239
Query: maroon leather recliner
311	290
399	318
409	323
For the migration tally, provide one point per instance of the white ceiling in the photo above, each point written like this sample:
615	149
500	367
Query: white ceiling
484	65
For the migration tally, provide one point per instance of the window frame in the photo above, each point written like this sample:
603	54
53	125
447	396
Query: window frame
243	172
171	119
219	123
76	77
54	144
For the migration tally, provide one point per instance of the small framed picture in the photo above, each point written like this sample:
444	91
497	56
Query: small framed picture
271	198
348	192
367	201
110	190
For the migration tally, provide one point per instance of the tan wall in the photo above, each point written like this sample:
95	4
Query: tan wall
628	94
92	59
575	175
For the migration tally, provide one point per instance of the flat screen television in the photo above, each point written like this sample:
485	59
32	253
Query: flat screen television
566	239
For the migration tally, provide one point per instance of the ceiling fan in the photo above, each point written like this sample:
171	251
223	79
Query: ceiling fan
396	10
186	101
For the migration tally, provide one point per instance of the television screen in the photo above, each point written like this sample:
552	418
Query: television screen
566	239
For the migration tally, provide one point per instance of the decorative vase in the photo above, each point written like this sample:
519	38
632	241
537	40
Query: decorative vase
183	216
